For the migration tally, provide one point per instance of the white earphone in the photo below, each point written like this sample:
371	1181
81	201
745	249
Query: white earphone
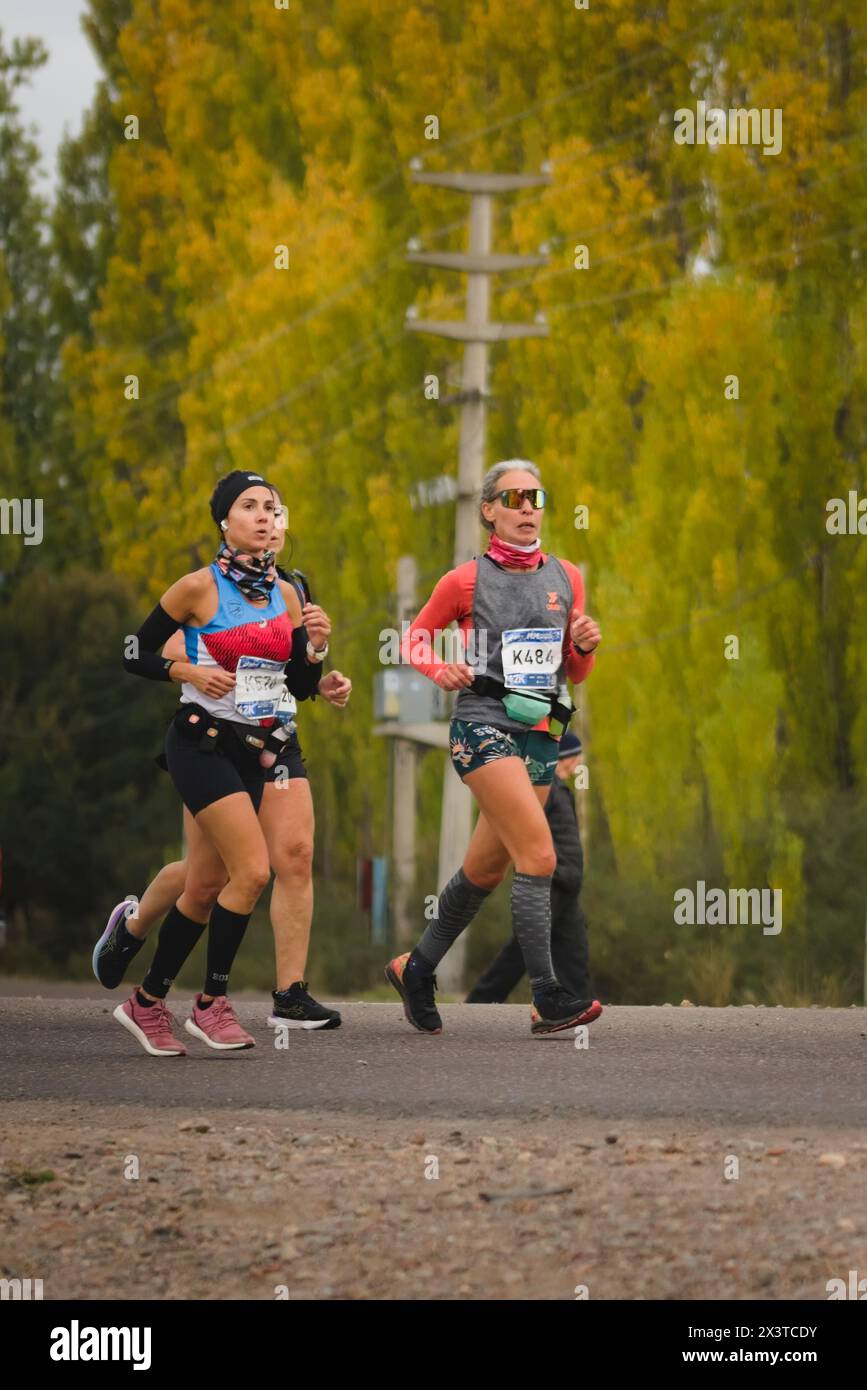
224	525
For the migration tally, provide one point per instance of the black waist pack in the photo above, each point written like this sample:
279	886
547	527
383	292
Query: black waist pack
195	725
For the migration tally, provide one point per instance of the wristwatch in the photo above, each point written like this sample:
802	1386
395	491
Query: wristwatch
314	655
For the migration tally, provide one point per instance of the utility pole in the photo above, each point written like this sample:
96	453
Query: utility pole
404	758
477	333
582	797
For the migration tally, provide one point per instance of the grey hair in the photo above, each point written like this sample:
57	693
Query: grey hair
493	476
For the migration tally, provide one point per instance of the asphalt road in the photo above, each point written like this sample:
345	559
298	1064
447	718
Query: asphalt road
788	1066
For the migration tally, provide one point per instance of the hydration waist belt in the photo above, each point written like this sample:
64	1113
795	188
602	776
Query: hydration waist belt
548	702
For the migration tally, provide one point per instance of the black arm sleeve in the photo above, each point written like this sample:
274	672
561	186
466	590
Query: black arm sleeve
302	676
154	632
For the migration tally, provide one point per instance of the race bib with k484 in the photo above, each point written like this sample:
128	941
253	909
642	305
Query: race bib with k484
531	657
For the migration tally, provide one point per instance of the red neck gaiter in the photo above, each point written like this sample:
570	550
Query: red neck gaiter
506	554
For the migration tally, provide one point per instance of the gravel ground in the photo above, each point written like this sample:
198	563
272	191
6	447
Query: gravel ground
686	1153
309	1205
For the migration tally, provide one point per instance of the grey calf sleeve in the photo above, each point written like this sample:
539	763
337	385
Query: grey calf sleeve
458	904
531	923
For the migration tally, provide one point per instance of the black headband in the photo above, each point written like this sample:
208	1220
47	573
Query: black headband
229	489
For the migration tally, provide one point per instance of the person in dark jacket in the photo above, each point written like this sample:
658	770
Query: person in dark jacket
569	951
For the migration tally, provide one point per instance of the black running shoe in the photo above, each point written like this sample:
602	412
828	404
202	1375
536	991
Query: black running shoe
115	948
416	989
555	1009
295	1007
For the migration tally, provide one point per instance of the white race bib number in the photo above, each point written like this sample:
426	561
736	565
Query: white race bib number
260	690
531	657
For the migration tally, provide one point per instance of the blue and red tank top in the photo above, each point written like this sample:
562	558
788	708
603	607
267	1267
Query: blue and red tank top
237	629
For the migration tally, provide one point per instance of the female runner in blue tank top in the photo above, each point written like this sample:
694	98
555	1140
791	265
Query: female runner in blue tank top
287	818
247	652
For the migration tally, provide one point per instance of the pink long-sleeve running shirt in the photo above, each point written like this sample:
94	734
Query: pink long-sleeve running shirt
497	610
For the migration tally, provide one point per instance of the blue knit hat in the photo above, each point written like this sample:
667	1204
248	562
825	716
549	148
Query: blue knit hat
570	744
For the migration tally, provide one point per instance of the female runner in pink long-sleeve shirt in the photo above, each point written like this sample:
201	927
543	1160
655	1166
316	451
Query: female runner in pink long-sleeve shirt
522	609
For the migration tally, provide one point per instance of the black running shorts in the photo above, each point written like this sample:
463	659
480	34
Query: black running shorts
205	776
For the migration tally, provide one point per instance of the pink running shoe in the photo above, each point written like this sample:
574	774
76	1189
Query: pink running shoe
152	1027
217	1025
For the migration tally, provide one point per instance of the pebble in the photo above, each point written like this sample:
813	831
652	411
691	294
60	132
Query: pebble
833	1160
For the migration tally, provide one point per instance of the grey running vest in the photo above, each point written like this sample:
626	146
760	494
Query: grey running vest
504	600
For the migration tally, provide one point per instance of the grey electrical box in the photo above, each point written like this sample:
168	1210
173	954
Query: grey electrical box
404	695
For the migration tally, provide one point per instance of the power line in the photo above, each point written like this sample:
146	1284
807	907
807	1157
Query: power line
542	276
579	306
646	129
399	171
682	234
683	279
732	607
704	192
371	274
627	254
579	90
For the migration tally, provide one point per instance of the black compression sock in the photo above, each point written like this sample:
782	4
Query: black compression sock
145	1003
178	936
225	933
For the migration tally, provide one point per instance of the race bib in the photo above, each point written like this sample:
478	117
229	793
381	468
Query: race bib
260	690
531	657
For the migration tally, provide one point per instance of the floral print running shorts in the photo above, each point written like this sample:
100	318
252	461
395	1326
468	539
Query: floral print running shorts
474	745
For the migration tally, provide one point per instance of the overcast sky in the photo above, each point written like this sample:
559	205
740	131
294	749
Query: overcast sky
63	88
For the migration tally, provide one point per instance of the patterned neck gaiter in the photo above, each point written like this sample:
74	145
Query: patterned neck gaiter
253	574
